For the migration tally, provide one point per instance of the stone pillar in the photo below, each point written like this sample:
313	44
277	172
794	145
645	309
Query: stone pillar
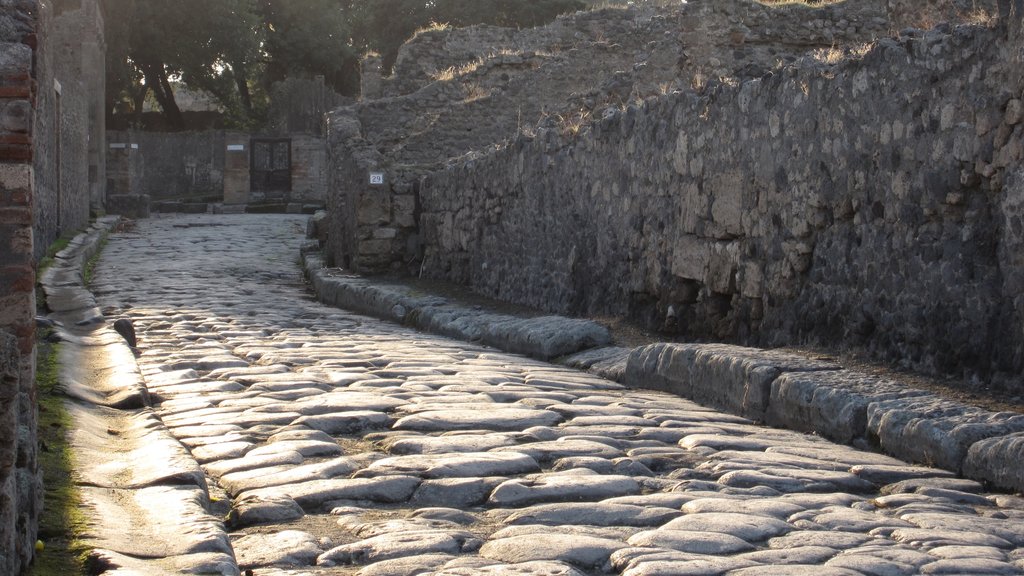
236	168
20	489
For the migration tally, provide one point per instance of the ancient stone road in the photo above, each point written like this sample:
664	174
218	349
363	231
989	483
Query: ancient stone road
345	445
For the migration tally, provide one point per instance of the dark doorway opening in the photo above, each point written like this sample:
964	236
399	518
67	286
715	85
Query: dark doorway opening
271	168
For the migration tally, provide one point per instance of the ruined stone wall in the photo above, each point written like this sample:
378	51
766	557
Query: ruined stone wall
505	81
868	202
22	26
69	132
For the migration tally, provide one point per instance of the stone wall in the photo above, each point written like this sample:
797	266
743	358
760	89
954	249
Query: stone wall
457	92
22	63
69	136
206	166
866	201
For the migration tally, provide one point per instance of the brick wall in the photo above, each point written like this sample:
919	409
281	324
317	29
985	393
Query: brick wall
20	493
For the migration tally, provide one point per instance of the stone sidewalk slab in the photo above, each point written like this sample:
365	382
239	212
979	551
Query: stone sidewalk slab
146	499
544	337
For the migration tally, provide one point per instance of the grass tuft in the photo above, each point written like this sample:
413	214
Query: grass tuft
62	521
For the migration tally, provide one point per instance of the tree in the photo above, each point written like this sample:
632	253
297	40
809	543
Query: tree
208	45
309	37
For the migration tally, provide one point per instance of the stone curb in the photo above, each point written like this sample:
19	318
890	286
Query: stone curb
789	391
145	495
545	337
785	390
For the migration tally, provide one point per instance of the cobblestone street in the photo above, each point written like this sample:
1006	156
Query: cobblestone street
339	444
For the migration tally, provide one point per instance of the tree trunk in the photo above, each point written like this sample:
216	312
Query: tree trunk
239	71
156	79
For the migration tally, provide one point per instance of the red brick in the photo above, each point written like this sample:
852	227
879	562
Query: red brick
21	216
22	91
16	139
10	153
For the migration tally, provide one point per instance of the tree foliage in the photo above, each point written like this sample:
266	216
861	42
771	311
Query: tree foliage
235	49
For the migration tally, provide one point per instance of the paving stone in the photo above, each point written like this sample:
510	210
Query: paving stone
251	510
460	492
795	480
560	487
385	547
711	543
945	483
288	548
539	568
223	451
461	465
499	420
871	565
702	567
446	514
771	508
953	552
881	475
447	444
796	570
793	555
345	422
979	566
594	514
238	482
1012	532
313	495
742	526
850	520
547	452
356	525
408	566
836	539
308	449
578	550
933	537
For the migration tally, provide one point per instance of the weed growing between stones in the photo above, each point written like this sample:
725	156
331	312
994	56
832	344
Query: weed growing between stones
62	521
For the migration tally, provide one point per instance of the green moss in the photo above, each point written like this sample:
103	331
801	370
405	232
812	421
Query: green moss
62	521
90	266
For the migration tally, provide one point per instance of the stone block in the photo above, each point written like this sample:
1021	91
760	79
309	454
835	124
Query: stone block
374	208
691	257
134	206
733	378
831	403
998	461
934	431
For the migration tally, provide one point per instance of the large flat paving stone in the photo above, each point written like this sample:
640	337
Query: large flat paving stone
156	522
561	487
498	419
459	465
313	495
399	545
287	548
578	550
595	514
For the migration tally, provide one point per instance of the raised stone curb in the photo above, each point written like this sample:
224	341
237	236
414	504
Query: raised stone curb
146	497
543	337
728	377
790	391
